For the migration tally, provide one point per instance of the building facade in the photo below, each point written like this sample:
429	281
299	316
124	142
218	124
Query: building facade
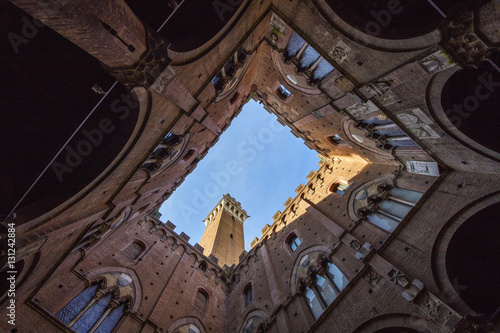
109	105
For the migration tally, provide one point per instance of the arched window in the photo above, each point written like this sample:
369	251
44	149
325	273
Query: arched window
388	206
203	266
254	325
248	294
293	242
188	328
339	188
283	93
320	281
307	60
133	250
92	311
201	300
336	140
384	132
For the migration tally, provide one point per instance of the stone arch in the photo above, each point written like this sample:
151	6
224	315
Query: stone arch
286	71
25	267
99	272
194	255
316	248
343	20
186	321
188	44
50	197
259	313
460	125
398	320
462	229
354	193
354	135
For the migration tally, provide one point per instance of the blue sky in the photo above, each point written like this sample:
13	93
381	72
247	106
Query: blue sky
257	161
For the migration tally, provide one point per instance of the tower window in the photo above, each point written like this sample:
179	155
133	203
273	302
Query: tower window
231	235
293	242
248	294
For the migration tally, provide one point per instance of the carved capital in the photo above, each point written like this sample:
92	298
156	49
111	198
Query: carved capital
149	67
461	40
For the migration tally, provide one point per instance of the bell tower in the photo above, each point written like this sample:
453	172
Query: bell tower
223	236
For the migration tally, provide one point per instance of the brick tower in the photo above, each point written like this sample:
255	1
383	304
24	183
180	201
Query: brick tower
223	236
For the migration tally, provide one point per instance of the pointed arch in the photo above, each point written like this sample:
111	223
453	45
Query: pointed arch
99	272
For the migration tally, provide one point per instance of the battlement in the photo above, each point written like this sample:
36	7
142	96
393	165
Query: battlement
231	205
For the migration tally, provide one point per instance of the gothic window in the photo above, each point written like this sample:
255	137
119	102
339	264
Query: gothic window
248	294
133	250
294	45
255	325
293	242
386	133
324	68
76	305
201	300
283	93
388	205
169	149
229	76
92	311
339	188
320	281
188	328
307	60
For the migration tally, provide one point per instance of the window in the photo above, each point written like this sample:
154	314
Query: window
188	155
133	250
234	98
392	205
321	289
336	140
293	242
254	325
201	300
339	188
188	328
283	93
203	266
102	313
248	294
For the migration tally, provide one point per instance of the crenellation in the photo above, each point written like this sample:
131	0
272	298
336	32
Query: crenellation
395	230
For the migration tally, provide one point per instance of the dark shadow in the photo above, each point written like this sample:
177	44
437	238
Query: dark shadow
472	106
392	19
192	25
472	261
49	86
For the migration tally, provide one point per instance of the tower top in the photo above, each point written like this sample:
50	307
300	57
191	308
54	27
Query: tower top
231	205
